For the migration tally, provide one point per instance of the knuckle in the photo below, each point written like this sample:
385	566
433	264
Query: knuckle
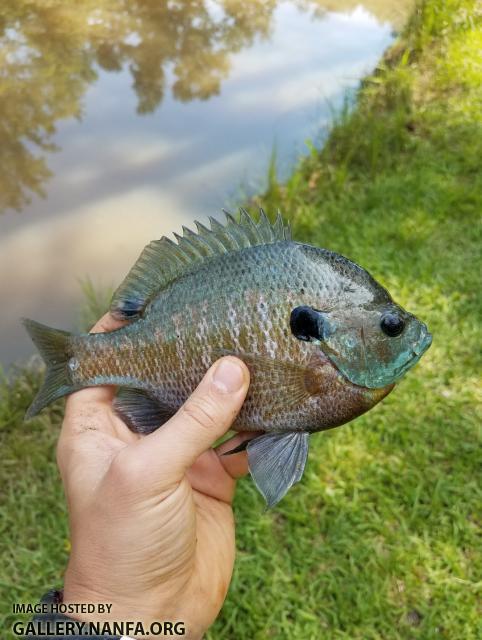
202	412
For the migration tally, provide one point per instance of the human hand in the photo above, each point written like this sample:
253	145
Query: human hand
152	529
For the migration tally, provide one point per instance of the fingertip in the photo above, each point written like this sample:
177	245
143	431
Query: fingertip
107	323
229	375
235	465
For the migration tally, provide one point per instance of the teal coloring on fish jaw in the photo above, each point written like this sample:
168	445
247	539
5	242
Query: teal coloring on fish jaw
370	359
351	342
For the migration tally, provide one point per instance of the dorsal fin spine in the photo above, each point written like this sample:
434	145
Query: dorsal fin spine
189	248
249	226
203	247
278	224
237	232
210	238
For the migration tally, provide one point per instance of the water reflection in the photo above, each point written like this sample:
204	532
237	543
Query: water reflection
272	72
51	52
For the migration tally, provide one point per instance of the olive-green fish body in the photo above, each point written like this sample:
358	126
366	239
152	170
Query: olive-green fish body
305	320
237	303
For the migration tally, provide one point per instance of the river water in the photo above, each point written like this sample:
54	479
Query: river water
121	120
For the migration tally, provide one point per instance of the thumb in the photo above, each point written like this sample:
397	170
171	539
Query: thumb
206	416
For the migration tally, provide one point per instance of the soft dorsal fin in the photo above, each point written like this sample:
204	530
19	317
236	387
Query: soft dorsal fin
162	261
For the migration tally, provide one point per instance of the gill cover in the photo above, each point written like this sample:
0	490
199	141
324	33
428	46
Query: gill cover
371	346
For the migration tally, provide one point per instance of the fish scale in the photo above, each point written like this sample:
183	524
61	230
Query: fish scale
242	288
171	363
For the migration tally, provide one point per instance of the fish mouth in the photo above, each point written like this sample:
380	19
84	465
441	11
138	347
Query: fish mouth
417	352
424	344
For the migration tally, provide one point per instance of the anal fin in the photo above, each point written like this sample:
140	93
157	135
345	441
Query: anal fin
141	412
276	462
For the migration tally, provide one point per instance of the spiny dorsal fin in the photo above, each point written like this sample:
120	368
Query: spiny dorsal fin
162	261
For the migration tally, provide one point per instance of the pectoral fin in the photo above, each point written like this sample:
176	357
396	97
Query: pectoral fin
276	462
288	378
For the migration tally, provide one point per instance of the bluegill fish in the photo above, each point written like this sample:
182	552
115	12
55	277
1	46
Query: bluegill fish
323	340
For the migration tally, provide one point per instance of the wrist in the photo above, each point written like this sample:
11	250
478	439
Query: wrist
127	616
106	599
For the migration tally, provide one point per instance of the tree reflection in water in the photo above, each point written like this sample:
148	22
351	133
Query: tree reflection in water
51	50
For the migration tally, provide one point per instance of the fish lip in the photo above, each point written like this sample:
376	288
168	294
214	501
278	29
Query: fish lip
399	371
424	344
417	353
419	349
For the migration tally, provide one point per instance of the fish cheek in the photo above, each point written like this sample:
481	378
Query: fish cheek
373	396
338	400
347	351
361	352
318	372
350	401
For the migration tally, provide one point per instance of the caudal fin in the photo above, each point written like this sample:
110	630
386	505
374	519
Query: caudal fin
53	345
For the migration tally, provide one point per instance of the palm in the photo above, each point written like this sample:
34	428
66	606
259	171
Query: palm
204	498
150	532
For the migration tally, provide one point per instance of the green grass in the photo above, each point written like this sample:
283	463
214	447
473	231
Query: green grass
379	541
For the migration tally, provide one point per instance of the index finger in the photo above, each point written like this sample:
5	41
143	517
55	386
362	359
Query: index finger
100	394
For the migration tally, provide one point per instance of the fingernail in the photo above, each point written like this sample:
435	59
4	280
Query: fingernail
228	376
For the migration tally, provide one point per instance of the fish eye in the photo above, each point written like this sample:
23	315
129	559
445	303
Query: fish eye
306	323
392	324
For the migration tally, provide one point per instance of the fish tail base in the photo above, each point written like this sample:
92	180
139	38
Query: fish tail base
54	347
